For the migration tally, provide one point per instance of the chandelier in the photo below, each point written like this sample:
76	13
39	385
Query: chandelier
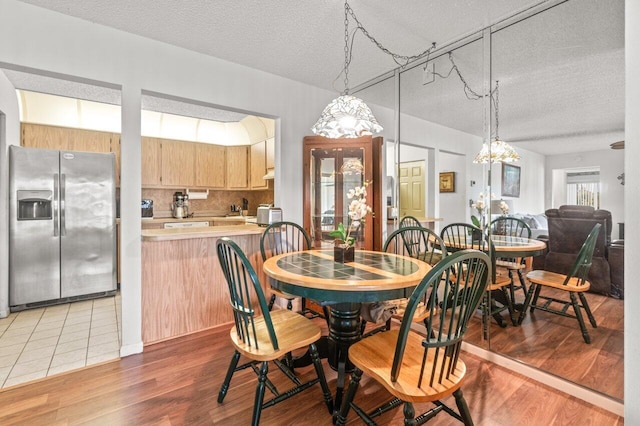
500	152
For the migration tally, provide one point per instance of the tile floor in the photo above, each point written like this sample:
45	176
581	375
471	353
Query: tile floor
42	342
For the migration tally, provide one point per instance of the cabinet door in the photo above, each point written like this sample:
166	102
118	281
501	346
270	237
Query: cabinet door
271	152
210	165
89	140
178	163
115	148
258	165
237	167
46	137
151	162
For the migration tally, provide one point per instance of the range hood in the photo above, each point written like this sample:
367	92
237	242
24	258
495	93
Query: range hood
269	175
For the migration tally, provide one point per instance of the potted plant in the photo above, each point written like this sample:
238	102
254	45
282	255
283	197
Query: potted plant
344	249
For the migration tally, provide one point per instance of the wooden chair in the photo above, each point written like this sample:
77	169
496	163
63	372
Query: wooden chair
279	238
416	369
417	242
513	227
267	337
575	283
465	235
409	221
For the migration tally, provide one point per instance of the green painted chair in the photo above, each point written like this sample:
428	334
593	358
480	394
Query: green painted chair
266	337
575	283
408	221
415	369
279	238
513	227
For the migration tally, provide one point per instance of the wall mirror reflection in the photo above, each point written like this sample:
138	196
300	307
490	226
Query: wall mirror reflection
561	116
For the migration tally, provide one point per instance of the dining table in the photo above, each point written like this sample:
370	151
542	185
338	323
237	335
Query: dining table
343	287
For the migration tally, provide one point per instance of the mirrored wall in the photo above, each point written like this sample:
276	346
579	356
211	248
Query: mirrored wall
560	73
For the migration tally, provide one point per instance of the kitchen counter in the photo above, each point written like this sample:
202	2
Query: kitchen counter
204	232
164	220
183	286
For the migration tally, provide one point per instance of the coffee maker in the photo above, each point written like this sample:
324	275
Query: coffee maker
180	205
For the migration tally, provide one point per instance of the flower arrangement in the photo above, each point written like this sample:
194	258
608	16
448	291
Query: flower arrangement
480	207
358	210
504	207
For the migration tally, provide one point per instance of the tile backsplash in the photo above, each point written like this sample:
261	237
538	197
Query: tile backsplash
217	202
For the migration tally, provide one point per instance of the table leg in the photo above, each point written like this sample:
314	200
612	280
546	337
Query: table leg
344	330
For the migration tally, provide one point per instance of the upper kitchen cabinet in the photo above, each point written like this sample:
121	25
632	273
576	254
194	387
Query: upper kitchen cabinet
271	149
178	163
210	166
258	165
115	148
65	138
238	167
151	162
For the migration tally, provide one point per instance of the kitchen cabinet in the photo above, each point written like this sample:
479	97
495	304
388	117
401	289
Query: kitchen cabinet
327	179
271	153
178	163
210	166
115	148
151	162
237	167
258	165
65	138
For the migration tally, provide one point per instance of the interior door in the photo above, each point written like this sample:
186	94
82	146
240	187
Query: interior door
412	189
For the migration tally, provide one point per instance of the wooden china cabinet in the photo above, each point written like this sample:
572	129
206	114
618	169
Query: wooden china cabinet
331	169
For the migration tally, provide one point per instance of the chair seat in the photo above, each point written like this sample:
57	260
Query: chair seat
420	314
374	356
294	331
555	280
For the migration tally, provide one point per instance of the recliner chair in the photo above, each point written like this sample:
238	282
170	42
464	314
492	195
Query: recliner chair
568	228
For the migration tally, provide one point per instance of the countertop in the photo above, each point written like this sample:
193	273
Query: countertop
197	219
200	232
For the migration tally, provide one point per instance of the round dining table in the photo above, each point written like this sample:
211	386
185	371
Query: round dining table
343	287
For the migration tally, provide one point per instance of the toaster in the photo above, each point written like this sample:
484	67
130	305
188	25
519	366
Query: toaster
267	214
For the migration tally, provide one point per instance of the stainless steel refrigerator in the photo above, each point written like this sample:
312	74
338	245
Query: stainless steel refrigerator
62	226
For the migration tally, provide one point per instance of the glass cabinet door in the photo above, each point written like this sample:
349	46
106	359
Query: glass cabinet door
332	168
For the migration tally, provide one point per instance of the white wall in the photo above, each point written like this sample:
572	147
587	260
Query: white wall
631	209
10	127
611	164
454	206
52	43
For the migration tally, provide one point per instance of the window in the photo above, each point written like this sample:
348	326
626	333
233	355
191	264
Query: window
583	188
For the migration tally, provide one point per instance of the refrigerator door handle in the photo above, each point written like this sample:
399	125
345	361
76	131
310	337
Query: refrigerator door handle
55	205
63	227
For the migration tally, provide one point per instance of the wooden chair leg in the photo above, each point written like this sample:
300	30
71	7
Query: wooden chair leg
587	309
272	300
227	380
535	298
409	414
257	404
527	301
313	350
463	408
576	309
351	392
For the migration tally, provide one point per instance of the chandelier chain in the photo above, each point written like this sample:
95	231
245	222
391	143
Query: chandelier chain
347	55
496	103
401	60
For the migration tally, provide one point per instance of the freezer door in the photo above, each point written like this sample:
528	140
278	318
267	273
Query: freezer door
34	245
87	223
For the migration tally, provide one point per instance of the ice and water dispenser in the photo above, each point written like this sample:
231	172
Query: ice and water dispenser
35	205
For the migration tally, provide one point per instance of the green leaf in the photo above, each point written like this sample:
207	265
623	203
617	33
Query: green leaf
475	221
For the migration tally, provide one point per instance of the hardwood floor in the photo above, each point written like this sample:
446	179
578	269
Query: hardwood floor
177	382
554	343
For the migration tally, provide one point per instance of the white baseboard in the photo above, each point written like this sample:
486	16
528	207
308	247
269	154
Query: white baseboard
135	348
581	392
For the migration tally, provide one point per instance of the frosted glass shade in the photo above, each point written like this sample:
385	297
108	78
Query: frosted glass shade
501	152
346	117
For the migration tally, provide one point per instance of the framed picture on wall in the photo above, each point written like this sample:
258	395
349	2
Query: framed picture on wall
510	180
448	182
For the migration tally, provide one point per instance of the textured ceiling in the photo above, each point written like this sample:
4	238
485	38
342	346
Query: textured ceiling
561	72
